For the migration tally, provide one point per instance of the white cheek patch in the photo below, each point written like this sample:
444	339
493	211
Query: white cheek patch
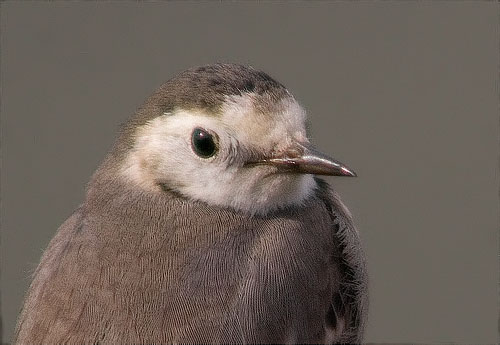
162	154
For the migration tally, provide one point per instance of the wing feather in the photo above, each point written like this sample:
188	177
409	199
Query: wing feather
350	302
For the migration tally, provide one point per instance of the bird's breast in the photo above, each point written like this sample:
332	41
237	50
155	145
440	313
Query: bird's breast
191	273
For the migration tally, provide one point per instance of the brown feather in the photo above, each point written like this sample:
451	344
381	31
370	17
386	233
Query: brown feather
132	267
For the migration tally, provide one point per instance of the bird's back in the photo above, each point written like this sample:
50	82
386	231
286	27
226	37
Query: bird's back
129	267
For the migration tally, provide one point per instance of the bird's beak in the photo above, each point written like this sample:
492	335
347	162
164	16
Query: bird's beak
305	159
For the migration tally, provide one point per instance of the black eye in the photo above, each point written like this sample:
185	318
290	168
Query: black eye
203	143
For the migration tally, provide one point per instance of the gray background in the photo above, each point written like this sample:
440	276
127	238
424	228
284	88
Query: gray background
404	93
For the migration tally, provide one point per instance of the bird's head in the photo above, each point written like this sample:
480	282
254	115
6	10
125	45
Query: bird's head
227	135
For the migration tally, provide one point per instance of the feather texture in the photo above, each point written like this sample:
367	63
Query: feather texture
135	267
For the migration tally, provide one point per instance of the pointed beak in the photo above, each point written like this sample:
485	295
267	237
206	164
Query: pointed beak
305	159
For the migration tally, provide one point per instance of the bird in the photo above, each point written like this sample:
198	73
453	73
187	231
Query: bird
207	222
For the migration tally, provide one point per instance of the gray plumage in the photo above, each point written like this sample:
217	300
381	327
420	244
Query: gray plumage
131	266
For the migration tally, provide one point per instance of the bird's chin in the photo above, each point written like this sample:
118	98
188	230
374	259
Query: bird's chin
258	193
279	190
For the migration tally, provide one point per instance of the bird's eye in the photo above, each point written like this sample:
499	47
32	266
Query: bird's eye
203	143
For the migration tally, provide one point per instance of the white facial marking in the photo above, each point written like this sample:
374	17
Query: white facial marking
163	154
